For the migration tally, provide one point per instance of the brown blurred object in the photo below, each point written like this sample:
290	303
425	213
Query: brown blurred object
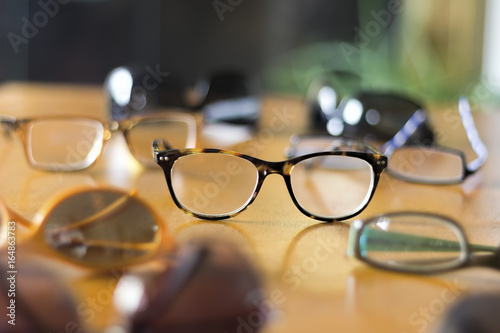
473	314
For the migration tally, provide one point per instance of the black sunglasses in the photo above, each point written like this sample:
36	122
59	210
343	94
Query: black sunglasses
226	96
363	115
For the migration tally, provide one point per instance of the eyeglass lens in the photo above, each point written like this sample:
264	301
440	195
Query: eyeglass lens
75	143
145	131
426	164
332	186
213	184
64	144
100	227
411	241
375	116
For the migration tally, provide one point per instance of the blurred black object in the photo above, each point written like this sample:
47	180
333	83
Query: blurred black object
81	41
228	97
207	287
365	115
34	300
132	90
473	314
210	288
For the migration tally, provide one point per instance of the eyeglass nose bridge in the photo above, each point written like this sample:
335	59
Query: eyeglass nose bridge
268	168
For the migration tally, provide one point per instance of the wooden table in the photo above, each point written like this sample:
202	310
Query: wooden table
309	281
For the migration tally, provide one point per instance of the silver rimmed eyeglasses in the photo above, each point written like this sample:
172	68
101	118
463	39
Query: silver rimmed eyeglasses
218	184
426	162
413	160
72	143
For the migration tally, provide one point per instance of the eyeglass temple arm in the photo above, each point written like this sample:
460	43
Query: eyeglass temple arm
13	216
341	143
380	240
103	213
486	259
470	129
404	133
8	124
135	246
186	264
467	121
160	145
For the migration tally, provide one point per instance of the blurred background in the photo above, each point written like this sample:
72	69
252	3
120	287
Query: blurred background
434	50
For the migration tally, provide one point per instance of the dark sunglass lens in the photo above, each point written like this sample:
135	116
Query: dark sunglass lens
375	116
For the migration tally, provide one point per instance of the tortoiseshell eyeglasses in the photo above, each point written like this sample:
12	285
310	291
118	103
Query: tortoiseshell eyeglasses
218	184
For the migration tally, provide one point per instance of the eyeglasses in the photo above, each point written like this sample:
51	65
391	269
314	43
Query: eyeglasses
419	161
174	298
65	143
425	162
95	228
218	184
416	243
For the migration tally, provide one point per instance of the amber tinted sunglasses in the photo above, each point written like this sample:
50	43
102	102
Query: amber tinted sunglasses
92	227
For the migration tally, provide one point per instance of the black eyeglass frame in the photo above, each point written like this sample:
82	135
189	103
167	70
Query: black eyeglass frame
166	159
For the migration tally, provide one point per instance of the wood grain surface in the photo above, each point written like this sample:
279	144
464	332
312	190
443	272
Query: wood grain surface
310	283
